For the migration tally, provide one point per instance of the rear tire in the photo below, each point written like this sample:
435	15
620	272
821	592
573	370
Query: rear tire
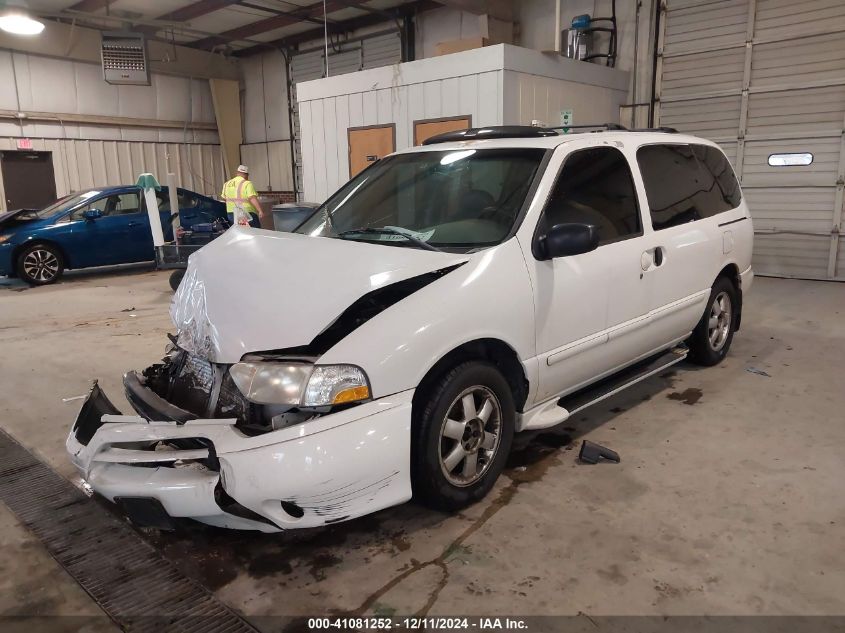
712	337
40	264
462	434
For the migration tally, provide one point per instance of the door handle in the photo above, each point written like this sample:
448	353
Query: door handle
134	224
652	258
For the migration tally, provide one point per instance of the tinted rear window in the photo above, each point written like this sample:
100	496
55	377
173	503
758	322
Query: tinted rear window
685	183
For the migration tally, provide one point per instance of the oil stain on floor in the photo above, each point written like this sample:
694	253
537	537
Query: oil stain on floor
687	396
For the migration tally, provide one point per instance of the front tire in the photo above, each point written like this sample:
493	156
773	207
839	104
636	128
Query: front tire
40	264
176	278
712	337
462	435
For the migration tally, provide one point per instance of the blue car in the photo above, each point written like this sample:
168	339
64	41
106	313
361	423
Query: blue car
97	227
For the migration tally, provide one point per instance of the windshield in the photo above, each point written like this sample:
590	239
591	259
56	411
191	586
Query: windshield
452	199
64	203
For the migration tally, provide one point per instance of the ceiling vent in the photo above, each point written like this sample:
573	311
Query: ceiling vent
125	59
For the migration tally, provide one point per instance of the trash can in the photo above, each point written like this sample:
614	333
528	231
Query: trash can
288	216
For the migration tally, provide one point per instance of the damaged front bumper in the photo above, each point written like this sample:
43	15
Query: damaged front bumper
329	469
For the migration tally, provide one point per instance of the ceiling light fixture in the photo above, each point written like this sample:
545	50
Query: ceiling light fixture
15	19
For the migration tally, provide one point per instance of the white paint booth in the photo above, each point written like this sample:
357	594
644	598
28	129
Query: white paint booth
495	85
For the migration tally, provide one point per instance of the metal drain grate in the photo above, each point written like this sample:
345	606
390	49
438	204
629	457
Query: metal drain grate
126	577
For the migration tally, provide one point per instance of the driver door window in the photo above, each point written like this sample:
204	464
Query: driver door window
100	205
116	205
595	187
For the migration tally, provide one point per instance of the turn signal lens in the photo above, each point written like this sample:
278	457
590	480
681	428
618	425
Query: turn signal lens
333	384
352	395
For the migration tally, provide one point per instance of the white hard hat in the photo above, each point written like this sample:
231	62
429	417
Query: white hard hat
243	169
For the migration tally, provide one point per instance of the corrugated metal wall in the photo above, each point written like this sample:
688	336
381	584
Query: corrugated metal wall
529	97
373	52
81	164
96	155
265	113
269	165
43	84
324	122
763	77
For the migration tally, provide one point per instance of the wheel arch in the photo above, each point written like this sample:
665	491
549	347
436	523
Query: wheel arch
38	240
491	350
731	272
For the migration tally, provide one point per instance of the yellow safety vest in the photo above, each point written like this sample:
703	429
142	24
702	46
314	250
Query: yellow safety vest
236	193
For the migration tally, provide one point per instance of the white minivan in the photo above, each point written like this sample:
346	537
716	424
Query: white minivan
492	281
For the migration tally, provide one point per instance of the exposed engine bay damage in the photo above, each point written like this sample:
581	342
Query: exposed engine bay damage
197	387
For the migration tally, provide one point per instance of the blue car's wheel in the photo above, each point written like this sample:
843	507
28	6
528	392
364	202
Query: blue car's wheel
40	264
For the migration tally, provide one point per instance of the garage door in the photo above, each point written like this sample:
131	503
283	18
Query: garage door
766	80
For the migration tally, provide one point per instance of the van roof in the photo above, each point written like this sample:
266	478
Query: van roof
547	138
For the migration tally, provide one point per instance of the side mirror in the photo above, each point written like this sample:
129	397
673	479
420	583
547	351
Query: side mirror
92	214
564	240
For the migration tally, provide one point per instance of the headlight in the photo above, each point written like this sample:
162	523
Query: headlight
5	238
300	384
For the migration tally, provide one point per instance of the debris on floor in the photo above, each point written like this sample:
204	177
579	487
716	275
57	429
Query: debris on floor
592	453
759	372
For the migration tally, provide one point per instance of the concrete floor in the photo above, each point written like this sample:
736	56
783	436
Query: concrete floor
728	499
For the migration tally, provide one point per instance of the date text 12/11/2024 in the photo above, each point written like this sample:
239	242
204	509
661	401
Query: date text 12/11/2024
416	623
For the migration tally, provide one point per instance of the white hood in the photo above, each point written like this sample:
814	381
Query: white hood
252	290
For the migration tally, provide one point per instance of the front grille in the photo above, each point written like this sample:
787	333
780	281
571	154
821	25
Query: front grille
205	389
231	402
192	385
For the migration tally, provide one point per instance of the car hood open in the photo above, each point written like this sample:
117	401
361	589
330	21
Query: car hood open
254	290
12	218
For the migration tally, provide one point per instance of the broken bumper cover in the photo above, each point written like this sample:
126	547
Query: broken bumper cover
329	469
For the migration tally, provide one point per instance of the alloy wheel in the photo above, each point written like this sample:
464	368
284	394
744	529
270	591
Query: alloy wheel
719	322
469	435
41	265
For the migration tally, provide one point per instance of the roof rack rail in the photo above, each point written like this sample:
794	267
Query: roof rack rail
531	131
590	126
663	128
491	132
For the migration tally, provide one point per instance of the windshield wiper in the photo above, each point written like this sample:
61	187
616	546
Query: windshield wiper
369	230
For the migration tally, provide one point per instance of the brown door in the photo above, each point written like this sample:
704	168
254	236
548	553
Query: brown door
368	144
432	127
28	179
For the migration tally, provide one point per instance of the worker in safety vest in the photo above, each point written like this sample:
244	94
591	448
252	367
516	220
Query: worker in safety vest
241	199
